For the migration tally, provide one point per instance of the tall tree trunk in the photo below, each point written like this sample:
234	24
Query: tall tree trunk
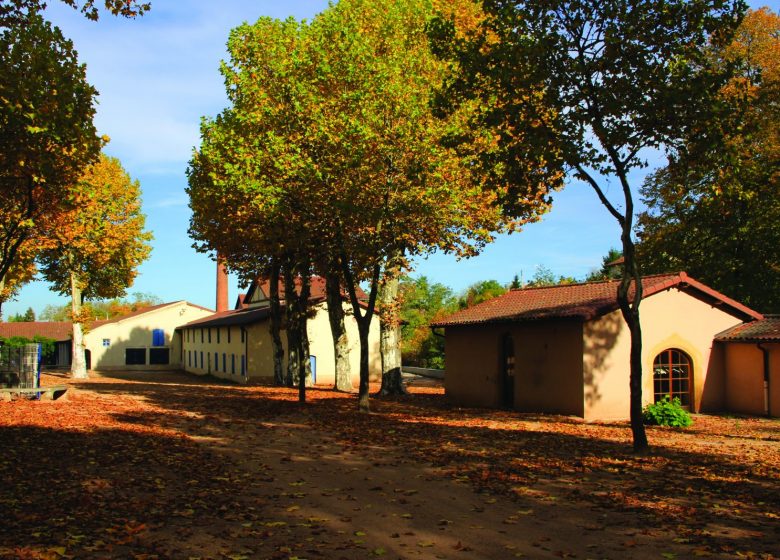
630	310
293	330
338	329
302	304
78	368
364	324
276	324
390	337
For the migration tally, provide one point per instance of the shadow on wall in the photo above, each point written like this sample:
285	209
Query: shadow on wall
599	339
138	348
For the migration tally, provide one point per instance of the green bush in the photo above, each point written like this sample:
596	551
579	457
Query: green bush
667	413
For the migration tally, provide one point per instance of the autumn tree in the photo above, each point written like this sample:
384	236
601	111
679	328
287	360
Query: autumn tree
252	199
611	265
46	139
587	87
13	12
396	190
713	210
97	244
329	157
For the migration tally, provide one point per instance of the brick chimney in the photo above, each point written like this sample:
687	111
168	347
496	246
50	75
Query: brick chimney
222	286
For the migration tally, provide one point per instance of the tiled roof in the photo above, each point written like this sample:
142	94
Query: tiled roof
318	287
763	330
581	301
57	330
234	317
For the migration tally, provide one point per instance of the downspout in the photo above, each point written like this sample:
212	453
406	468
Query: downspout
765	351
246	353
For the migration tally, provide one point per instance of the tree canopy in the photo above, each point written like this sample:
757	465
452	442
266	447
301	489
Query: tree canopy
587	86
48	137
713	210
330	157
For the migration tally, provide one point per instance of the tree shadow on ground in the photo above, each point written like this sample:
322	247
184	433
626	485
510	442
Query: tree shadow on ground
721	498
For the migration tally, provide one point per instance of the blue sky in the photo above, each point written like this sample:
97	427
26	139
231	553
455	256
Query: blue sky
159	74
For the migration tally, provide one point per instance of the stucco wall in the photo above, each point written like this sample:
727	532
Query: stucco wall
670	319
136	332
548	366
258	348
745	378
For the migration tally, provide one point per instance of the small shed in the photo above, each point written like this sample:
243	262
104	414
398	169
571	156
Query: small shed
565	349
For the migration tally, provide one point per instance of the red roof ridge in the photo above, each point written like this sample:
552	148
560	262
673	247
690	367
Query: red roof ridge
583	300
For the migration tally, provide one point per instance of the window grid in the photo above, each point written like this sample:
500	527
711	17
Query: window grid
672	376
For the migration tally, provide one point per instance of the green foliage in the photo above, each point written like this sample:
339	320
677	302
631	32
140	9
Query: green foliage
667	413
46	139
479	292
48	345
422	303
28	316
544	276
713	210
607	271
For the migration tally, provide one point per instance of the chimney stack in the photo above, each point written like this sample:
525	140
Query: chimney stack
222	286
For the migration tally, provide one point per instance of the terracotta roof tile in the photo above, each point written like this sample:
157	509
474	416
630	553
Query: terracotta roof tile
57	330
581	301
763	330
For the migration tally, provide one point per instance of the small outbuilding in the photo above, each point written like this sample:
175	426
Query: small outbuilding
565	350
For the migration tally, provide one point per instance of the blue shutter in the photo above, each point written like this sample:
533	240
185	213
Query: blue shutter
158	337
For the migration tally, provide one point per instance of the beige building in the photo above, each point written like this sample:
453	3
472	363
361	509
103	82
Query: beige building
565	350
141	340
236	344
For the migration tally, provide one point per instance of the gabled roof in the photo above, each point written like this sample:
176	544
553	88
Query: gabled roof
762	330
317	283
583	301
56	330
143	310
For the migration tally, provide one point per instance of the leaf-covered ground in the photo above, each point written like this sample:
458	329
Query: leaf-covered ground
157	465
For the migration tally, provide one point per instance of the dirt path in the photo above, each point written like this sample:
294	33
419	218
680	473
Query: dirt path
221	471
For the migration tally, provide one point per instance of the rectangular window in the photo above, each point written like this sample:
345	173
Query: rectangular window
218	329
158	337
159	356
201	336
216	361
209	335
228	331
243	367
135	356
189	358
186	335
233	364
201	360
224	362
242	335
106	342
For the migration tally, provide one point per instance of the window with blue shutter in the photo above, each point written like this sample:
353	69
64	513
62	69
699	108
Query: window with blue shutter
158	337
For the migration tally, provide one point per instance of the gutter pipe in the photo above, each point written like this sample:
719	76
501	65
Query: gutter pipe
765	352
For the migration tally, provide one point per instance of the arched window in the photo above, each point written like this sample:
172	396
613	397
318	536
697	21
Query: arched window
672	376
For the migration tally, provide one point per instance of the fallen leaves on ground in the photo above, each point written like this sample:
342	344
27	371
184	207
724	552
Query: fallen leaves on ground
163	467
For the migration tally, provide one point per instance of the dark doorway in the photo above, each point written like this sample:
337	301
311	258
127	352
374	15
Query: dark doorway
88	358
507	371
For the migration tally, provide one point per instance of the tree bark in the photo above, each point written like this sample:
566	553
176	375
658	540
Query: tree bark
78	368
338	329
630	310
364	324
293	330
276	324
390	338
